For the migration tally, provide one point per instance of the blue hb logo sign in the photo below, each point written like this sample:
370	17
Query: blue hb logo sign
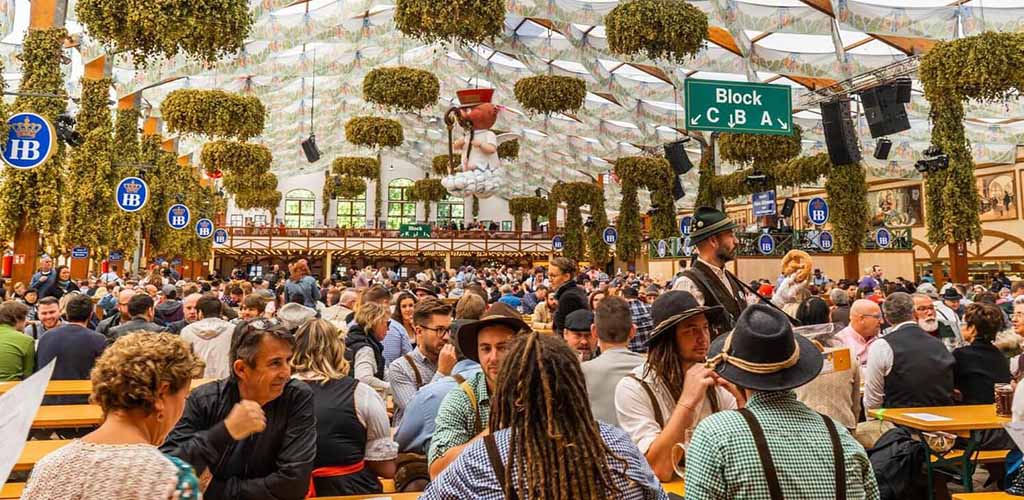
662	248
204	228
883	237
825	241
684	225
817	211
220	236
132	193
766	244
611	235
31	141
178	216
558	243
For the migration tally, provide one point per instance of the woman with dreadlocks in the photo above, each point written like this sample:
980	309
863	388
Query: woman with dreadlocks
545	443
660	403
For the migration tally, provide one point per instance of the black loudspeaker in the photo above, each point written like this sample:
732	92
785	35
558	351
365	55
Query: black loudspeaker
884	110
840	136
787	207
882	148
903	90
676	156
677	190
310	149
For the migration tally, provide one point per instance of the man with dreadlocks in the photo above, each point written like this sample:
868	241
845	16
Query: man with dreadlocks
546	444
660	403
463	415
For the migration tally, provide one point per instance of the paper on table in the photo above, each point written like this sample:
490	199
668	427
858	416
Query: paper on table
1016	432
20	405
927	417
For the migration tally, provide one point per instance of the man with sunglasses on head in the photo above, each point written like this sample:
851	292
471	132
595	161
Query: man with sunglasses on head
432	359
251	435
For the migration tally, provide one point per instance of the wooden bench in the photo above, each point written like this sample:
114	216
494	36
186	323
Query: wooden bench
11	490
78	387
375	496
66	416
990	495
35	451
981	457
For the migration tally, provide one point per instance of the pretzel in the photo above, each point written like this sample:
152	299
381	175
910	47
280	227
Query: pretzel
798	263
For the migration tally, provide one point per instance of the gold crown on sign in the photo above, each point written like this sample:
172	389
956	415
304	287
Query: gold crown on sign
26	129
179	211
132	187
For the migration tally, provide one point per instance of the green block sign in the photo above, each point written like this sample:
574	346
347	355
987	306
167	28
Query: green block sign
414	231
752	108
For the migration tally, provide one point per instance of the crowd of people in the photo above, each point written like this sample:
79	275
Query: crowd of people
503	382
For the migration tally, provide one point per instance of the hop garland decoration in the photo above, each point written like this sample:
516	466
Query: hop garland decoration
577	245
428	191
760	150
238	158
349	187
534	206
458	21
357	166
214	113
509	150
659	29
90	176
124	155
204	29
401	88
847	191
374	132
551	93
34	196
654	174
440	164
328	194
986	67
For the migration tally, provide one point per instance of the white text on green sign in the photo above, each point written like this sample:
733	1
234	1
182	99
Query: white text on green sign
753	108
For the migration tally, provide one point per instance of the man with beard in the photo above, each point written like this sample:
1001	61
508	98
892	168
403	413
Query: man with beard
432	359
907	368
924	315
662	400
708	280
578	335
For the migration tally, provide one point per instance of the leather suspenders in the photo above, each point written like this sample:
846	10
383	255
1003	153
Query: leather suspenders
415	371
499	468
772	477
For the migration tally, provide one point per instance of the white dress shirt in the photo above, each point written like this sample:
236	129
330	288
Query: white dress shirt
878	367
687	285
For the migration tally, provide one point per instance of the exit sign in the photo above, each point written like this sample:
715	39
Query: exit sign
752	108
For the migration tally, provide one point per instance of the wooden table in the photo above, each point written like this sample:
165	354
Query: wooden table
65	416
991	495
12	490
392	496
35	450
678	487
964	421
78	387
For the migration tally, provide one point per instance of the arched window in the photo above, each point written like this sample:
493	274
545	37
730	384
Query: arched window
298	208
450	209
400	209
352	212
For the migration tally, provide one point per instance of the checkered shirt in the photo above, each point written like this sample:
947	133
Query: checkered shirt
471	476
722	460
454	425
641	315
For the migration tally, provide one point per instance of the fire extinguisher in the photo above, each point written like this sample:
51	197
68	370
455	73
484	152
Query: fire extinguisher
105	266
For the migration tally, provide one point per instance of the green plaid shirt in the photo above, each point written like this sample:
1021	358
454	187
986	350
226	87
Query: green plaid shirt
455	423
722	460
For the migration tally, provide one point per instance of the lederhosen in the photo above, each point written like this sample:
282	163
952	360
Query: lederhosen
716	294
772	477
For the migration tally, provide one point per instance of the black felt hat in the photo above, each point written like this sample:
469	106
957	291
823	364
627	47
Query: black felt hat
672	307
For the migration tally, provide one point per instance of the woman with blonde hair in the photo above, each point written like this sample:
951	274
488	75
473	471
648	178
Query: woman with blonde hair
140	382
363	348
354	446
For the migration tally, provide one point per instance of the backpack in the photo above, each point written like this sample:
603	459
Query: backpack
897	459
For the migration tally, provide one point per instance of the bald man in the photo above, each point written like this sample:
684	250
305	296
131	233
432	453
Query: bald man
189	309
865	324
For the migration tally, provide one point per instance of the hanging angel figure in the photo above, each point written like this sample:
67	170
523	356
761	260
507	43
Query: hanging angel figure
480	171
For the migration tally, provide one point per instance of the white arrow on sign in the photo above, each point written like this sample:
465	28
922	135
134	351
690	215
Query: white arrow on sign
731	122
784	125
694	120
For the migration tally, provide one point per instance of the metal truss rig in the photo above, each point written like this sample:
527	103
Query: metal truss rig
863	81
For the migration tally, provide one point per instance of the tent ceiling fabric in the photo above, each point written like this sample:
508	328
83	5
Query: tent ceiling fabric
631	104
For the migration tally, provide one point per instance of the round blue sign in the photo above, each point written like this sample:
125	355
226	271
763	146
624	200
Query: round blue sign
766	244
220	236
31	140
610	235
80	253
557	243
132	193
116	256
684	225
160	260
204	228
662	248
687	247
883	237
178	216
817	211
825	241
176	261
